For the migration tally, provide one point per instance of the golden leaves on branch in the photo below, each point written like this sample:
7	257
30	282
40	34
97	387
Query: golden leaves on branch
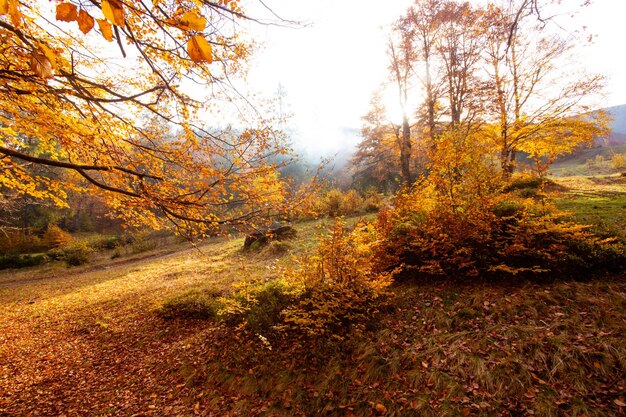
85	21
66	12
199	49
192	20
113	11
10	7
105	28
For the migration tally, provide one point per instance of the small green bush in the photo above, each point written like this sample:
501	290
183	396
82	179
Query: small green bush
191	305
259	306
106	242
56	254
22	260
78	253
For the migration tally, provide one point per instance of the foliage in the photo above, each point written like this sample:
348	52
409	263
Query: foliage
77	253
258	306
341	285
618	161
502	235
140	138
55	237
18	241
23	260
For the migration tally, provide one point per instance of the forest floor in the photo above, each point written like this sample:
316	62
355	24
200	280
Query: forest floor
90	341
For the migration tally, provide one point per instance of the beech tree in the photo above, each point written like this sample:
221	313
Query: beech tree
538	99
119	94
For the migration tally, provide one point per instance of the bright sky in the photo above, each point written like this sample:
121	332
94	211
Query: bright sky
330	68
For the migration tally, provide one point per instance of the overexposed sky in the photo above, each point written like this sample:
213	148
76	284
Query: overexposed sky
330	67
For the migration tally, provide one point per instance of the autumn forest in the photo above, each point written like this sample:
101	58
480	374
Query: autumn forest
169	248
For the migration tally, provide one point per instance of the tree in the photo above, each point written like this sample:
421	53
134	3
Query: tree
68	102
400	53
529	113
377	157
422	25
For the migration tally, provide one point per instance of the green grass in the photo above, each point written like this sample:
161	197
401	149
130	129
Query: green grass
597	201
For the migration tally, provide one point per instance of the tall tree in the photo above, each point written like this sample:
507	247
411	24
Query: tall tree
422	25
400	53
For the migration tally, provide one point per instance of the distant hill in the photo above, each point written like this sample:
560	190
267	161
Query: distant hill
618	113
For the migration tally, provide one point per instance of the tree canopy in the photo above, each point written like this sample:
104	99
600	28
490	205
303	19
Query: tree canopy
121	96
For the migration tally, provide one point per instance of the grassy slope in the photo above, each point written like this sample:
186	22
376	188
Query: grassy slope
577	164
90	343
597	201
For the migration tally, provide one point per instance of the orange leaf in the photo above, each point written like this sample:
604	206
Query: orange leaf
105	28
14	13
66	12
4	7
199	49
85	21
41	65
192	20
113	11
49	53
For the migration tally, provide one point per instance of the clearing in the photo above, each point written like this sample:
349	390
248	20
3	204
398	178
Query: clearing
88	342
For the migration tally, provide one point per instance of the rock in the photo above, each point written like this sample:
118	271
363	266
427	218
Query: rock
276	231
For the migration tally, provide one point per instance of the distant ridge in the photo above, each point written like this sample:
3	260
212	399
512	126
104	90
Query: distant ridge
618	125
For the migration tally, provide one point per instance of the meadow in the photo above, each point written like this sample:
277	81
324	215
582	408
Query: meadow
92	340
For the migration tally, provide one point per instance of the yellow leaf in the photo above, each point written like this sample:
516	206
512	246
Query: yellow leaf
105	28
113	11
199	49
191	20
4	7
14	13
85	21
41	65
66	12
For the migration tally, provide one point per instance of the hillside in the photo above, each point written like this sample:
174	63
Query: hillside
618	125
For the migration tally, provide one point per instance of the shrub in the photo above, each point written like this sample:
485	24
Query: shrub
618	162
19	241
352	202
259	306
502	236
56	254
333	202
106	242
55	237
193	304
22	260
78	253
341	285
